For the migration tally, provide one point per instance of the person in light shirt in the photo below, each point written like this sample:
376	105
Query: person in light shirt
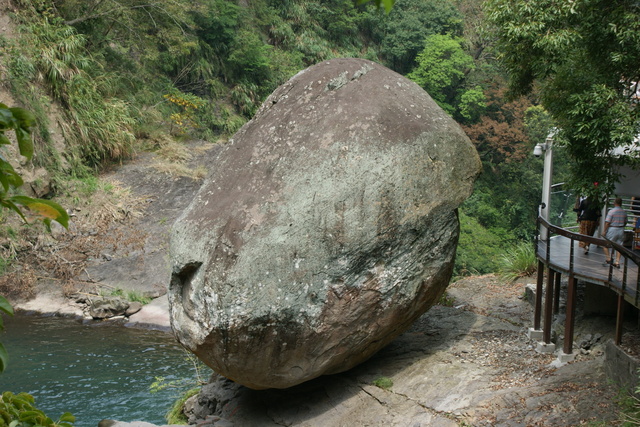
613	230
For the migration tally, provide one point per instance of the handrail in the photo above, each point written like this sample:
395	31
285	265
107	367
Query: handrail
604	242
574	236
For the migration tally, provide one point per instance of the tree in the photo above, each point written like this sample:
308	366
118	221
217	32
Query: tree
582	57
402	33
442	68
499	135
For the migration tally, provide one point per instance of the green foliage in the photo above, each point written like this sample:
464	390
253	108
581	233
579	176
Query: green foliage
130	295
629	405
518	262
97	125
538	124
5	308
100	128
403	31
217	23
441	70
387	4
446	300
505	200
19	410
582	57
478	248
472	104
199	368
176	413
249	57
20	121
384	383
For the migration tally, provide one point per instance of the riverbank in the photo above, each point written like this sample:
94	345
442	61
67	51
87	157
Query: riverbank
154	315
468	361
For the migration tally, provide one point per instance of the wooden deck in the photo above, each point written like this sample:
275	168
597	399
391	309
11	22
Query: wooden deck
558	251
591	268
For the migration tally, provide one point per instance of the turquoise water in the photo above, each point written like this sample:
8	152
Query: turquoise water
94	371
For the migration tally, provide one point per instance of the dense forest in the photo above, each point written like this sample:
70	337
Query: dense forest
120	76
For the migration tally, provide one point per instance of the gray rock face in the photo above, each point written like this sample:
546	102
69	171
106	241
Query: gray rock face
327	228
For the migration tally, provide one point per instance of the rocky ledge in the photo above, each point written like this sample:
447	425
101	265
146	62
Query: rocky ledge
154	315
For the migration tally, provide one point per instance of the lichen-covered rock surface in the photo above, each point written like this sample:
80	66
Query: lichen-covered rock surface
327	227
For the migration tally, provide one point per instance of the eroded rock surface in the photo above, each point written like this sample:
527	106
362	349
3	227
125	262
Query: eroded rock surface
327	228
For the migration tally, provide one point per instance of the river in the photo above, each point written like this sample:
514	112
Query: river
94	371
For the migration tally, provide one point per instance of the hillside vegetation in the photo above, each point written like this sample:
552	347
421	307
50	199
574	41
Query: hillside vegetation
107	78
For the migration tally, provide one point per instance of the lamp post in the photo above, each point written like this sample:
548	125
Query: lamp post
547	174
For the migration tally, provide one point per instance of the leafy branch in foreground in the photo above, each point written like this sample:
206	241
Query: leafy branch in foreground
20	121
6	308
19	410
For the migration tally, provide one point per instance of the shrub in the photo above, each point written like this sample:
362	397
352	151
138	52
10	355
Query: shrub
520	262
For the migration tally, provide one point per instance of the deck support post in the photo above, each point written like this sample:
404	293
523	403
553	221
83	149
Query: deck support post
548	307
537	314
569	322
556	296
619	319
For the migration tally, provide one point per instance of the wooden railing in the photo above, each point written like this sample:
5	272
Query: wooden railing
629	260
624	281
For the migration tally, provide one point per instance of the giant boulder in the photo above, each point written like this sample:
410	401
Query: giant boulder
328	226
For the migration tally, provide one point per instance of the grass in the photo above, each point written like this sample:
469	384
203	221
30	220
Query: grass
446	300
384	383
175	414
129	295
520	262
629	405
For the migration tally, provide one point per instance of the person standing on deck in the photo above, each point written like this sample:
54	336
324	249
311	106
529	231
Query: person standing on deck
588	217
614	224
